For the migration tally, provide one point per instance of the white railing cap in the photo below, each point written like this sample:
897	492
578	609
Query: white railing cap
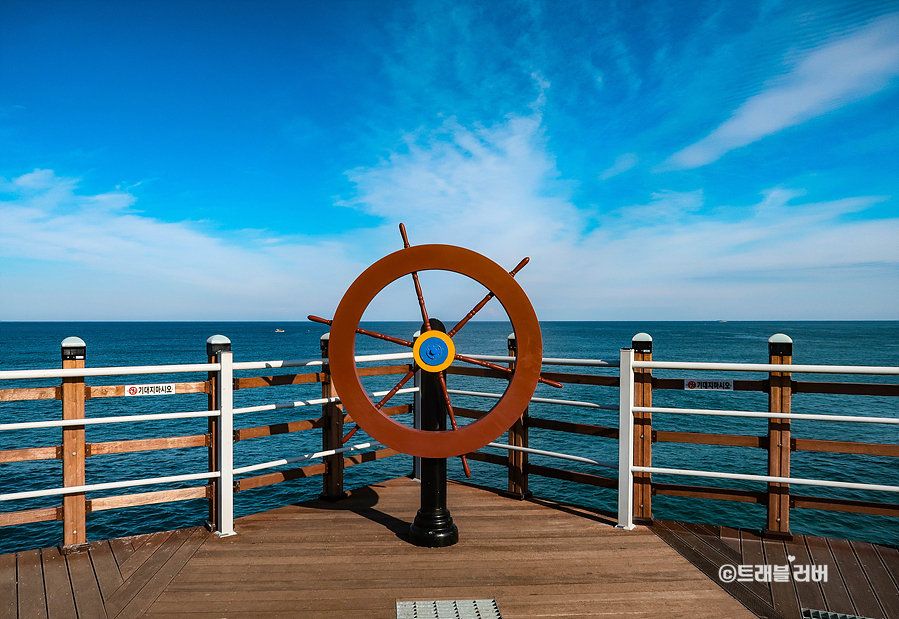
642	337
780	338
218	340
73	342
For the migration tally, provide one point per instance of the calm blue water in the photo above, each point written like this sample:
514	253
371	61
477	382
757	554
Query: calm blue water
36	345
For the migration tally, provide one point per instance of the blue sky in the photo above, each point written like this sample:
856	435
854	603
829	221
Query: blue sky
657	160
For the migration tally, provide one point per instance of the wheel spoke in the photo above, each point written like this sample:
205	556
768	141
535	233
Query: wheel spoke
452	416
493	366
421	298
350	434
384	400
396	388
375	334
484	301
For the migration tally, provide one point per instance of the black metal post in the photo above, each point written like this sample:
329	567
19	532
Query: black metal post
433	526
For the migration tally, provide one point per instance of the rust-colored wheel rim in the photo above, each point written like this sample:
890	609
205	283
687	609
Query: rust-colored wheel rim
449	443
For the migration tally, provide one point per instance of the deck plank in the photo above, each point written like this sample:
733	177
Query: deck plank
836	597
121	549
160	580
150	544
32	601
136	581
8	596
783	594
884	588
754	554
58	587
105	568
138	540
732	538
88	600
712	539
890	557
809	593
857	585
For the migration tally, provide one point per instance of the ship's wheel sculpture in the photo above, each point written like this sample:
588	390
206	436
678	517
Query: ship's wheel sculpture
433	352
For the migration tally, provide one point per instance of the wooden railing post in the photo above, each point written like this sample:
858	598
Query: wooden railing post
214	344
518	436
780	352
642	345
332	433
74	506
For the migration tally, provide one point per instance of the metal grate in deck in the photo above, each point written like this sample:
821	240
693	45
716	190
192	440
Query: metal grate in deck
808	613
448	609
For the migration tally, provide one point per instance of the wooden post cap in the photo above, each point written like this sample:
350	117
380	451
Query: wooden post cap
73	348
642	342
216	343
780	345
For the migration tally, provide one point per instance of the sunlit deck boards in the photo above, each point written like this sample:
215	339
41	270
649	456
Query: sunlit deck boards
349	559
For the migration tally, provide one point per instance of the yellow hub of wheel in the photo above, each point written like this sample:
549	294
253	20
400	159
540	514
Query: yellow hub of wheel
434	351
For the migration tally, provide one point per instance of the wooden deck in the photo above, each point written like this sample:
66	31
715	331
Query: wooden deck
537	558
862	579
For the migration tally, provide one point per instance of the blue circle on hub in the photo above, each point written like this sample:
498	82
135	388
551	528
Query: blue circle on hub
434	351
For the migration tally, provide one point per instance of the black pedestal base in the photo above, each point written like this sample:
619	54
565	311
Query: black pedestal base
333	498
433	530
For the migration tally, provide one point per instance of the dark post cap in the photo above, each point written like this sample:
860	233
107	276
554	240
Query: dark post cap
216	343
642	342
780	345
512	342
73	349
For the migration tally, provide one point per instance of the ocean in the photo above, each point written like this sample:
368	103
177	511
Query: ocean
36	345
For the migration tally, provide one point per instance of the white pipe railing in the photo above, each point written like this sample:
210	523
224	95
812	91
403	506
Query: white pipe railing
553	454
315	402
225	366
108	371
31	494
92	421
768	367
224	489
627	468
587	363
765	415
181	368
318	454
767	478
496	396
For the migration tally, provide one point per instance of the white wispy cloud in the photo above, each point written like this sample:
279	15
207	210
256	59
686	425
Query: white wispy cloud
495	189
96	258
623	163
829	77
